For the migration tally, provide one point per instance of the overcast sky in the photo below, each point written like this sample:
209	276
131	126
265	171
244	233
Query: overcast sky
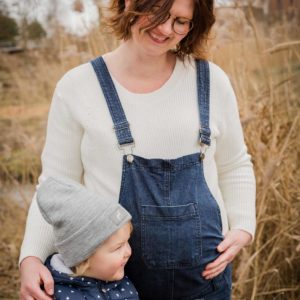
74	22
78	23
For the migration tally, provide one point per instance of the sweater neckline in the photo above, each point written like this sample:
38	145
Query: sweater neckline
165	89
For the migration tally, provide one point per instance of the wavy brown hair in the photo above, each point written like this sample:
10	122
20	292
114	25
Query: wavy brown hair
121	20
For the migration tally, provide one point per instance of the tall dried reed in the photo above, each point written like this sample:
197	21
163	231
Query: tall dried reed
264	66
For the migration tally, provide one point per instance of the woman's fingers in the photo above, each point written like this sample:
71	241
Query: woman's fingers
233	242
226	243
33	275
225	258
33	292
208	274
27	298
48	281
220	260
218	266
37	294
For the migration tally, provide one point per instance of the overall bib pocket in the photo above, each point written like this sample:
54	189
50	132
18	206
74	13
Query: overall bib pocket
171	236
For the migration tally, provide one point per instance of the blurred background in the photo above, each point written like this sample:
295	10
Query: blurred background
257	43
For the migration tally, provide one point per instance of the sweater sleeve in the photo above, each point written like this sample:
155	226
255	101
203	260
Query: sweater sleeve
60	158
235	169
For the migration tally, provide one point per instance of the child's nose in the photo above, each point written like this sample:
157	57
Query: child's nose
127	250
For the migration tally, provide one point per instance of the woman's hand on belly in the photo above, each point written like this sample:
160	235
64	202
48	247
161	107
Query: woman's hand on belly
233	242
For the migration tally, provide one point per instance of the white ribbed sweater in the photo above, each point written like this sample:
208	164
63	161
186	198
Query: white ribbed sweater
81	143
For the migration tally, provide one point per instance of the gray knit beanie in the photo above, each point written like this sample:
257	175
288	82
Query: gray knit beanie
81	220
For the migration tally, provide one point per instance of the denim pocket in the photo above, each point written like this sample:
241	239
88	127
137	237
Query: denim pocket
171	236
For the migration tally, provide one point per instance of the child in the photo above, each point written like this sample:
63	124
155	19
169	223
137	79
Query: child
91	236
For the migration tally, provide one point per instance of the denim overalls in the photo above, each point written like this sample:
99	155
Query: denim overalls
176	220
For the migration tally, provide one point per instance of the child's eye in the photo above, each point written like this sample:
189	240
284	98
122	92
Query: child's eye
119	247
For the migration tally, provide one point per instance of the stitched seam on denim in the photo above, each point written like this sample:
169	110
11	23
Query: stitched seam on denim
182	205
169	187
167	265
172	284
210	195
123	187
199	223
176	168
199	242
113	101
165	185
203	92
147	217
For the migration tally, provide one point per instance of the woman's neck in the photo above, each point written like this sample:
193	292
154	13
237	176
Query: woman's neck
139	64
137	71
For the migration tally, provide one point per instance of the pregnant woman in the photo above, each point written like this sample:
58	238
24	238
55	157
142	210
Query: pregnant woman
152	126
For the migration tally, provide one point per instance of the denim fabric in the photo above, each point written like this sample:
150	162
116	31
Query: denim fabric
121	124
176	219
177	226
203	91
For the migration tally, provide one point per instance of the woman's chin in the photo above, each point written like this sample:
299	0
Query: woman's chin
149	47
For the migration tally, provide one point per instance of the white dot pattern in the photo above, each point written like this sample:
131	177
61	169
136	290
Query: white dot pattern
68	287
123	290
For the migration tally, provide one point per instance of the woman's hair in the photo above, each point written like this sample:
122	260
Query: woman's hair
121	20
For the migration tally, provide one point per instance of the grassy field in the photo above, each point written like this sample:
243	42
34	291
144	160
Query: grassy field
263	63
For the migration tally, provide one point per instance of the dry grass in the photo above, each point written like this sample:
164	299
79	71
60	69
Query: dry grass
12	219
264	68
264	73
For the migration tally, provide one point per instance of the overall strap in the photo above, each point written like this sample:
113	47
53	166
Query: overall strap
203	89
121	124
